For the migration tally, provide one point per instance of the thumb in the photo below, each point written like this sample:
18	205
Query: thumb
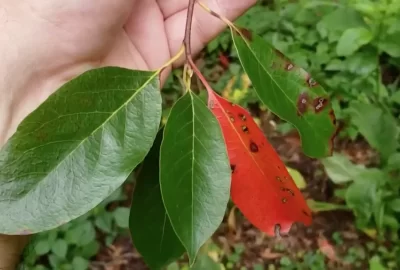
11	247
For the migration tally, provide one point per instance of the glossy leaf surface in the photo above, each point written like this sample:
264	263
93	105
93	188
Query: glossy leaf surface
289	92
194	172
77	148
261	188
150	228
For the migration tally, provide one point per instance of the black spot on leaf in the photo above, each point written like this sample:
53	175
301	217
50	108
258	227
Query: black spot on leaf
253	147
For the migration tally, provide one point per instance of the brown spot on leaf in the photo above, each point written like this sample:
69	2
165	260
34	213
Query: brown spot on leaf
305	213
246	33
253	147
232	119
288	190
242	116
319	104
279	179
302	103
289	66
245	129
311	82
284	200
233	167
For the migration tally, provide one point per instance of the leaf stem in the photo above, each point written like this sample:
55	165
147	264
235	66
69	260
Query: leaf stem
172	60
187	44
188	29
222	18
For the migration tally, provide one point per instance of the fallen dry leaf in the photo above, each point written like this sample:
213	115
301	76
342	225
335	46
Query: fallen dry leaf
326	248
268	254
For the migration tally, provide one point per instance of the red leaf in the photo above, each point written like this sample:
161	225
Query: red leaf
224	60
261	188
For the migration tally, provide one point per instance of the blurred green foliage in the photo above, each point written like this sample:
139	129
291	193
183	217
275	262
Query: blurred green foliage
352	48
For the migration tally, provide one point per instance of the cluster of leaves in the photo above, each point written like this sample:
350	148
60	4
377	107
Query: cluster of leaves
92	145
353	47
86	138
344	44
73	245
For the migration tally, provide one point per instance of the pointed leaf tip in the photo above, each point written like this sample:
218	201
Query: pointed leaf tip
150	227
194	172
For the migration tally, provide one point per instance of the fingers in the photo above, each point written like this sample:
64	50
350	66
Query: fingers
205	27
145	28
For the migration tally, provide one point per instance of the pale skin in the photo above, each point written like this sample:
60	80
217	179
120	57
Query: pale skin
44	44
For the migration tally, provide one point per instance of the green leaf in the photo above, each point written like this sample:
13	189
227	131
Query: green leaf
80	263
352	39
104	222
173	266
54	261
391	45
77	148
150	227
195	174
395	205
279	85
317	206
333	24
81	234
363	194
60	248
42	247
362	63
395	97
205	262
340	169
297	178
376	264
378	127
121	216
391	222
89	250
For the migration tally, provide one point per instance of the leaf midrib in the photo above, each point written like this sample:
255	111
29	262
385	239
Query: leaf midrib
95	130
192	180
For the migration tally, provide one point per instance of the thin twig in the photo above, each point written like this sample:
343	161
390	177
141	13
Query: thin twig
187	45
188	29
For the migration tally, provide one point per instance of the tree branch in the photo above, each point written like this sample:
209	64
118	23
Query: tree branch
188	29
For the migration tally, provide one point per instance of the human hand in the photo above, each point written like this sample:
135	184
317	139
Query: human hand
44	44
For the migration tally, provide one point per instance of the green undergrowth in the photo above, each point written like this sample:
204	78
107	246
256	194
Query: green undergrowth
352	48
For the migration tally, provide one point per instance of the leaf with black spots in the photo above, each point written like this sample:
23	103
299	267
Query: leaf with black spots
261	187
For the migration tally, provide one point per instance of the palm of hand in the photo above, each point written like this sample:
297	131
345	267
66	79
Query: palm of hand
141	34
59	40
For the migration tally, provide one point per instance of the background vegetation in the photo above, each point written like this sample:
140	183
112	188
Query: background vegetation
352	48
